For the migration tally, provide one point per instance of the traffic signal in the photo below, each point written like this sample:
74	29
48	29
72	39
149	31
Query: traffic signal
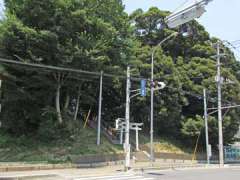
143	90
157	85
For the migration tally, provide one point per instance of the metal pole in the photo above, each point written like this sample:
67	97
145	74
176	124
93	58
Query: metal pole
206	125
220	131
137	144
152	93
121	136
127	118
151	121
100	110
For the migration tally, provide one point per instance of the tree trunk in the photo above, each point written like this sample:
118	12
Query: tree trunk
77	105
67	101
58	108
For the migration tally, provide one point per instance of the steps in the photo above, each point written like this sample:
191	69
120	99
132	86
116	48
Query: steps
141	156
108	132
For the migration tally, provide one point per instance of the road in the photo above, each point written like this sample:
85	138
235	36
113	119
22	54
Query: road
200	174
197	174
108	174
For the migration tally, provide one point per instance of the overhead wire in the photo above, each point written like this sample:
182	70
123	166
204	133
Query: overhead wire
235	42
234	48
197	96
66	70
181	5
90	76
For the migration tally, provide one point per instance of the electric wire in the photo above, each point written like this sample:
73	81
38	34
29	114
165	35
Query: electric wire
91	76
234	48
66	70
181	5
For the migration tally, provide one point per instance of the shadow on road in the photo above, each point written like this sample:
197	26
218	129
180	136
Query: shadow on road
155	174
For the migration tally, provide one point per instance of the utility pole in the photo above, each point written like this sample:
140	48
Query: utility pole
0	95
219	84
127	118
100	110
206	125
0	100
151	116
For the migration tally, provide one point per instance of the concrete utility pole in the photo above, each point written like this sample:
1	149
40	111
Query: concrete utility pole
151	116
100	110
219	84
0	95
0	100
127	118
206	125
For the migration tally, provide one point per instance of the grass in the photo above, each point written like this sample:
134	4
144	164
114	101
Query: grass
23	149
64	150
164	144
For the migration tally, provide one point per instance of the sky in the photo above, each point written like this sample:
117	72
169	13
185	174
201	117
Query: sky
220	20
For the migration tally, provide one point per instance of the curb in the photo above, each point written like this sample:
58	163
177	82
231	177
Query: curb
28	177
203	166
135	167
166	167
36	167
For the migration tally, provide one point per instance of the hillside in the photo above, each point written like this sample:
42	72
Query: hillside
31	150
51	64
27	149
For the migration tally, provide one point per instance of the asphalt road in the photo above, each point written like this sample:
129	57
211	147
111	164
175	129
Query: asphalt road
74	174
199	174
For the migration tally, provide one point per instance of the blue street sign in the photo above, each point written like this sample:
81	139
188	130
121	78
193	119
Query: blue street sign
143	87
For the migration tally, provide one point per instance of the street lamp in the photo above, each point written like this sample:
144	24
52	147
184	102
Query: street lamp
174	20
152	90
190	13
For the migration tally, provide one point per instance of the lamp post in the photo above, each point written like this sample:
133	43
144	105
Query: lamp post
152	91
187	14
174	20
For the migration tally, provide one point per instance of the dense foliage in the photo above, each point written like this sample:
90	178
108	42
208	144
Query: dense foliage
98	35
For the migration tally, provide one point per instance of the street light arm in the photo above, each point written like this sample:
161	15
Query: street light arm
189	13
163	41
201	3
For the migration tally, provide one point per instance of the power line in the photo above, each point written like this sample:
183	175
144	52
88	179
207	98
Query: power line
181	5
235	42
197	96
68	75
63	69
233	47
91	76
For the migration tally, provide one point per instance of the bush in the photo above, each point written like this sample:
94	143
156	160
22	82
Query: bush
20	117
49	128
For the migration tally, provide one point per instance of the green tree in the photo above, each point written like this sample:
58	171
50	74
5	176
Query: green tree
87	35
186	65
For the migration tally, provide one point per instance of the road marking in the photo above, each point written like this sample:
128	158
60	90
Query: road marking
114	177
101	177
235	169
122	178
